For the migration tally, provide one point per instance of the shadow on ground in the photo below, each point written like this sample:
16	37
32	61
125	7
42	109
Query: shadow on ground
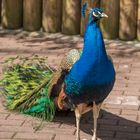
110	126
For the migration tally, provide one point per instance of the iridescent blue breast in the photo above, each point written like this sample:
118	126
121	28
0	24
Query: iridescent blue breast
92	76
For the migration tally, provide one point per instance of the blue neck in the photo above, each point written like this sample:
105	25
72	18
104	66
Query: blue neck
94	47
93	66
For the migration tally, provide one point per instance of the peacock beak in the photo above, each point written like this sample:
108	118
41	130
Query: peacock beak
104	15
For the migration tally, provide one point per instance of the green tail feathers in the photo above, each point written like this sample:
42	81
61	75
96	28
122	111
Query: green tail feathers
42	107
25	86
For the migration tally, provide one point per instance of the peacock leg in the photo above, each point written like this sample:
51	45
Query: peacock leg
78	116
96	110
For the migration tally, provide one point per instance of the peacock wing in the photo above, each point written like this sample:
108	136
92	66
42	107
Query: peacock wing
58	77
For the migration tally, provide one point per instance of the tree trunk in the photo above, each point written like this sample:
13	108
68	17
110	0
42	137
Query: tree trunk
12	14
138	26
71	17
92	3
128	19
110	26
52	15
32	13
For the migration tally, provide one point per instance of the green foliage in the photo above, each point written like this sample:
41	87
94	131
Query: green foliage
25	85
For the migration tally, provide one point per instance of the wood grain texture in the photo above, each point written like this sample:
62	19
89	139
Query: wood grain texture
110	25
138	22
71	17
52	15
32	14
128	19
0	10
12	14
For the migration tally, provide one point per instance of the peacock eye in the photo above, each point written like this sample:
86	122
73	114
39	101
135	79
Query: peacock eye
95	14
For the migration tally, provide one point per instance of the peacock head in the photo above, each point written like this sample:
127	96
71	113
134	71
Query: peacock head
97	13
94	13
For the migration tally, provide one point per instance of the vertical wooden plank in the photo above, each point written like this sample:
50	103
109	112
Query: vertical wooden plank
138	25
128	19
0	10
92	3
71	17
32	13
12	14
83	21
52	15
110	26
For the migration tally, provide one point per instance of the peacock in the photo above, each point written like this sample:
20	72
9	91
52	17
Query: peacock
91	78
81	83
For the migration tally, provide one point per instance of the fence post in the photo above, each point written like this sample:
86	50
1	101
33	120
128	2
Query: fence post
110	26
84	20
138	25
0	9
52	15
12	14
71	17
94	3
32	13
128	19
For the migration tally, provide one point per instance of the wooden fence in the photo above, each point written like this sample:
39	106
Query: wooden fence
65	16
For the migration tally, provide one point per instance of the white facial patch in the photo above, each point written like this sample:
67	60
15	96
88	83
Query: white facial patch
94	14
